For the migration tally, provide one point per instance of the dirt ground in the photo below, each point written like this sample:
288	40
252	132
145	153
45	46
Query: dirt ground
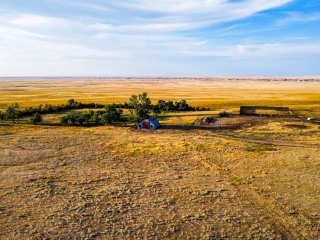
121	183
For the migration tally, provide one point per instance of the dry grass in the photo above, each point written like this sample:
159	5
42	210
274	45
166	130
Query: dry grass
175	183
111	182
214	93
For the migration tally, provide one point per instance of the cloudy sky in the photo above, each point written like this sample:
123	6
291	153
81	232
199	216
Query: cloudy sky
159	38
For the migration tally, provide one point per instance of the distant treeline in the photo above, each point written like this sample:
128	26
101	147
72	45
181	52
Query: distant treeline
49	108
139	106
162	105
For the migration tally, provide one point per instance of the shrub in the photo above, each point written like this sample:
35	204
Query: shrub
64	120
12	112
36	119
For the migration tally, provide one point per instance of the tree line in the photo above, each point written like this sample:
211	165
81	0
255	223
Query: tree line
13	112
49	108
106	116
139	106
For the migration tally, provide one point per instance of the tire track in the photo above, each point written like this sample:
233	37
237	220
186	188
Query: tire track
271	142
287	225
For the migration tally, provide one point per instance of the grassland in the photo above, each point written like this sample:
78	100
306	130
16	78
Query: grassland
216	93
259	180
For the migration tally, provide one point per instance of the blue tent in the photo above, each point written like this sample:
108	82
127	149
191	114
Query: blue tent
149	123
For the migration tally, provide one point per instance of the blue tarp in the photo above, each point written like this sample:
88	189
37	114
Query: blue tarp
149	123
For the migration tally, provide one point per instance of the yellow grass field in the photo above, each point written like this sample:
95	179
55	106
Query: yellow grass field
258	180
299	93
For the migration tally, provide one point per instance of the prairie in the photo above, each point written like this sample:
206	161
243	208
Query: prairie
258	180
216	93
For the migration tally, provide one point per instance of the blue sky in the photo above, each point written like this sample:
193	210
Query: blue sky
159	38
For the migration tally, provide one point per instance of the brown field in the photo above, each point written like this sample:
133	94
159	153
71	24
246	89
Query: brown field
250	178
217	93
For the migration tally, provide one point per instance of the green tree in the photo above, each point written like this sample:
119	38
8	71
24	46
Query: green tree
48	108
88	115
184	105
12	112
161	105
170	106
111	114
81	118
70	102
133	104
74	117
142	113
144	101
97	116
140	105
2	115
64	120
155	111
36	119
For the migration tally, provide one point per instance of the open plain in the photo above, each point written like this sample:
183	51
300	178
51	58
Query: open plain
250	178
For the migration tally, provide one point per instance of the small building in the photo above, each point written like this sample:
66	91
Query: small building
149	123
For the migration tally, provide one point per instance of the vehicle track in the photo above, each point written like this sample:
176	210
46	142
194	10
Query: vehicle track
270	142
289	226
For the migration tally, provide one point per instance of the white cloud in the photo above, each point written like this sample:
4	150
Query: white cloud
128	35
12	33
202	6
21	26
140	28
143	16
277	50
255	52
298	17
176	15
36	21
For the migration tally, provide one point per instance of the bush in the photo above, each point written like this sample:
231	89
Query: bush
36	119
64	120
225	114
12	112
2	116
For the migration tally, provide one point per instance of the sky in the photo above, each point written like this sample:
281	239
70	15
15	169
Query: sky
159	38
